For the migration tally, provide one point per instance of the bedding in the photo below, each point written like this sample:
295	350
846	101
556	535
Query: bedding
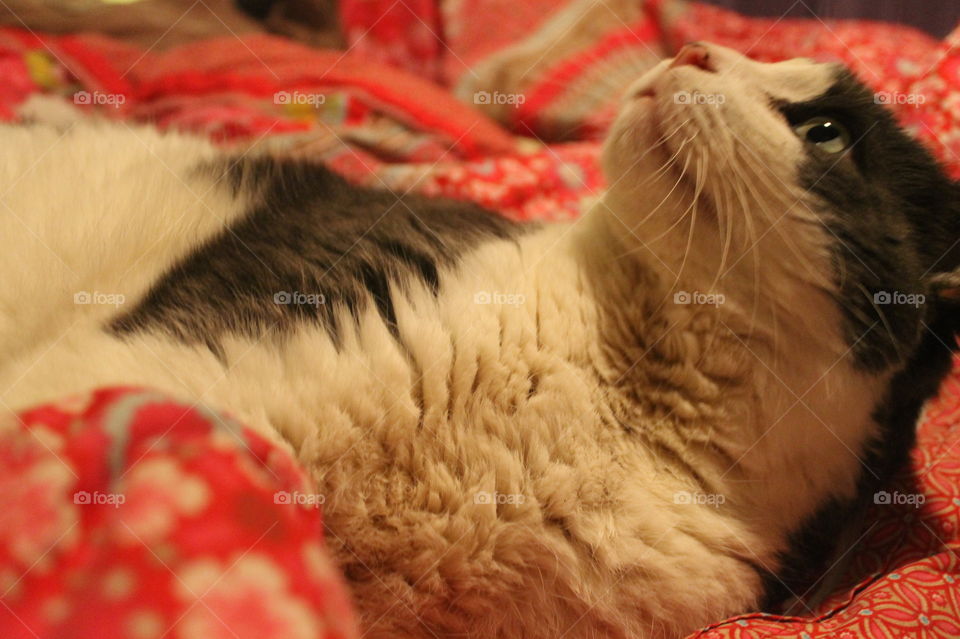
128	514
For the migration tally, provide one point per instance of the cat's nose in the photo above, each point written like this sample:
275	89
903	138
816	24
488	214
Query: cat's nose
694	54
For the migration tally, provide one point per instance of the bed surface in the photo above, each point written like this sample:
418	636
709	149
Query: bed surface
217	528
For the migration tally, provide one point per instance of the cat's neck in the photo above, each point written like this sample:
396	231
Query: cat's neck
752	402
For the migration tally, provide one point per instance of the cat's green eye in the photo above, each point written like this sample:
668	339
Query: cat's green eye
825	133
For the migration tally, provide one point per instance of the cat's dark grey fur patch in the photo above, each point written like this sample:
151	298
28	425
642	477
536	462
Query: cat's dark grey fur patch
894	216
813	548
312	249
895	219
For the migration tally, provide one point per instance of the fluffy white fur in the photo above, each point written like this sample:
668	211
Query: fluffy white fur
592	395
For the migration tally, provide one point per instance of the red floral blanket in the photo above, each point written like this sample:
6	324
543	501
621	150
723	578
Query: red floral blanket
131	515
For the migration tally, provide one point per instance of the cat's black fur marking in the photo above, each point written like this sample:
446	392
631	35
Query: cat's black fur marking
312	233
896	219
813	547
893	212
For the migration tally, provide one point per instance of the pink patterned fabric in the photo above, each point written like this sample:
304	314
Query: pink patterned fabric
937	121
200	490
130	515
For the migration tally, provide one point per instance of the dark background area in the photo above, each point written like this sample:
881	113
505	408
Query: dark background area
937	17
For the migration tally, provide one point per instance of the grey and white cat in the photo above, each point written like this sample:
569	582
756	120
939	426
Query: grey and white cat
618	427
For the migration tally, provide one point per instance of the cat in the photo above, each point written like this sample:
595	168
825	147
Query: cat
623	426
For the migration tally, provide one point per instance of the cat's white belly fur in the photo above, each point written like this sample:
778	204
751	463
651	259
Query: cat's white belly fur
498	398
598	538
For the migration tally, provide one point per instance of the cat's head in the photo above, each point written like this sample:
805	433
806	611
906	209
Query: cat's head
787	189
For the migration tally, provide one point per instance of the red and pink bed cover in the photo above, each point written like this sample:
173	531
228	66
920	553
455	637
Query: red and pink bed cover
127	514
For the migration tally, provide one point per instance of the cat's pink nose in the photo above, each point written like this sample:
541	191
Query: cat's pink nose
694	54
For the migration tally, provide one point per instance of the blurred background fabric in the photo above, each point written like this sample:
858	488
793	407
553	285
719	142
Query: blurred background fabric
162	24
936	17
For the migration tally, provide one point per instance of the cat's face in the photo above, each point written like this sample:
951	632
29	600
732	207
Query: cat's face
786	187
